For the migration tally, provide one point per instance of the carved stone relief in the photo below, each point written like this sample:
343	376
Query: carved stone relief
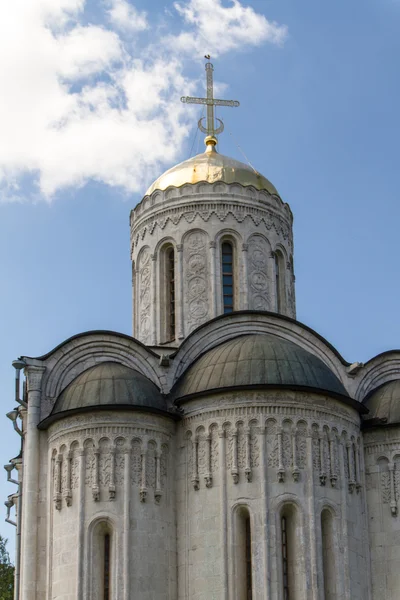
144	270
196	279
259	283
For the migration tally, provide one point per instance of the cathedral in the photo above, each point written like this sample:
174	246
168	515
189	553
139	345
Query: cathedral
225	451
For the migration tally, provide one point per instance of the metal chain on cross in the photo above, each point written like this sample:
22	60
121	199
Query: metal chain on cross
211	130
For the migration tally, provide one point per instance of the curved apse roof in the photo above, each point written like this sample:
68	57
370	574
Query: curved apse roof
257	360
384	405
108	385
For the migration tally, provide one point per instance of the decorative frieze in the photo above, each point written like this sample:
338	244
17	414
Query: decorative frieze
286	452
104	468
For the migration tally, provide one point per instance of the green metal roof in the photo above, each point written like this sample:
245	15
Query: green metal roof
256	360
108	385
384	404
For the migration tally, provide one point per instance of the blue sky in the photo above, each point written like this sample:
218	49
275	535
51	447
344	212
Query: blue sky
90	114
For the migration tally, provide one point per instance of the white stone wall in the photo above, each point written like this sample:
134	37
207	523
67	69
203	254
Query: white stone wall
267	451
115	468
382	466
195	220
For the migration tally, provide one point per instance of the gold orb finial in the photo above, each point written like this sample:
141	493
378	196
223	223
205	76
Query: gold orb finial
210	142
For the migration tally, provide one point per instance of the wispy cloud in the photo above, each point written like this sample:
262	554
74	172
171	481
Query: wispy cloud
80	102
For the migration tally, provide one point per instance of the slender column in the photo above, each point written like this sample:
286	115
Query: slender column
154	297
322	473
311	576
234	470
393	502
195	474
95	486
265	519
111	488
350	460
224	520
179	292
158	490
57	482
213	281
208	476
345	580
248	456
333	474
243	285
81	525
136	332
281	468
50	512
127	489
31	484
143	486
134	300
295	468
68	492
357	468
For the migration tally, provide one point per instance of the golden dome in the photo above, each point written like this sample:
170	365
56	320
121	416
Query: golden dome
211	166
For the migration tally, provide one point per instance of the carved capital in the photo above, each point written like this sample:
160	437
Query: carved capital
196	483
281	475
235	476
34	376
154	257
208	480
245	247
248	474
143	494
212	245
296	475
158	496
179	247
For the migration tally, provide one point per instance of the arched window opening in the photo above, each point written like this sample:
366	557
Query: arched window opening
166	299
249	574
328	555
280	282
292	567
227	277
101	563
107	566
285	559
243	558
170	258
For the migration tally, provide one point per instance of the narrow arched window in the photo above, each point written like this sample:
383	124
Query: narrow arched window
249	568
328	555
280	282
243	555
292	557
101	561
170	270
285	559
227	277
106	567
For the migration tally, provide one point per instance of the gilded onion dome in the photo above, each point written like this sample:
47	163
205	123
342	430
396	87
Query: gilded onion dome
210	166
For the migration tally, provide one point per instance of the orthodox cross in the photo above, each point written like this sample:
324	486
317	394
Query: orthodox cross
210	101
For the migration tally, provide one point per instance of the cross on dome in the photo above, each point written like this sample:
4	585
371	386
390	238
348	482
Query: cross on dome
210	129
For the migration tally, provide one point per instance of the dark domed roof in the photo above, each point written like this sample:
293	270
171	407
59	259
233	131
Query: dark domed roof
108	385
384	404
257	359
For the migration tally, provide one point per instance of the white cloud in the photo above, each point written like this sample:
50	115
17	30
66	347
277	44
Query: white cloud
79	102
126	17
218	29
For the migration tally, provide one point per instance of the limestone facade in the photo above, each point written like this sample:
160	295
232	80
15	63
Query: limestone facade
272	486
